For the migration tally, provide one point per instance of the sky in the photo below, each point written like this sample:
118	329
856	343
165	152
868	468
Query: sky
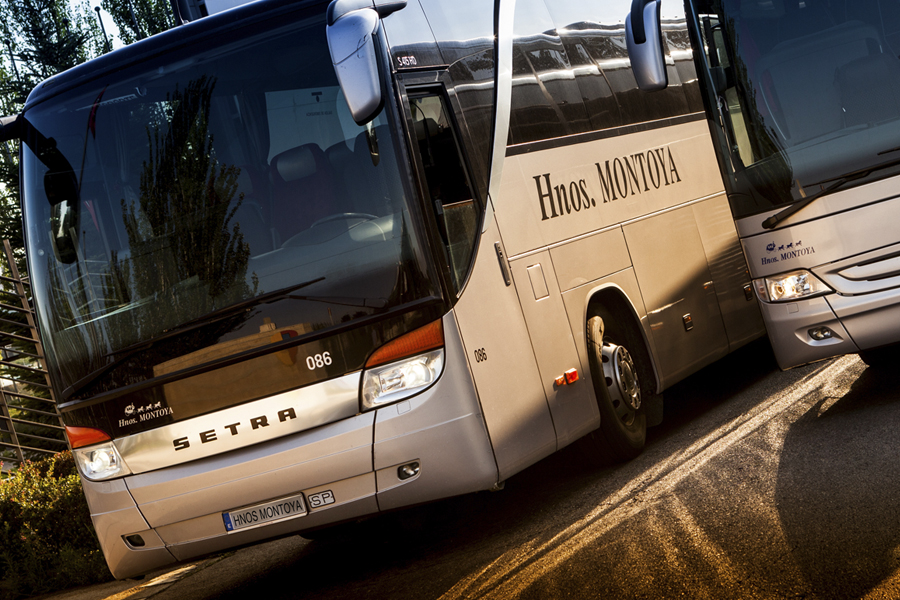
112	32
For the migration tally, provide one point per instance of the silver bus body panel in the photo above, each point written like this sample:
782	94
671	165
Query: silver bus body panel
509	384
788	324
728	267
815	243
268	470
572	406
872	320
837	242
350	491
355	459
622	220
523	202
442	429
674	284
243	425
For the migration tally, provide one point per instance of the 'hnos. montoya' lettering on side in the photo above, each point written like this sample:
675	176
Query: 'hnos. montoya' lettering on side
619	178
629	175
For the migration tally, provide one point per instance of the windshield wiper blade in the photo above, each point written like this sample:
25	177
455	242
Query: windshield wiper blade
123	354
777	218
232	309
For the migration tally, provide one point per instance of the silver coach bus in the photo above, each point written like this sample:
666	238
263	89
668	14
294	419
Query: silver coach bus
297	263
805	108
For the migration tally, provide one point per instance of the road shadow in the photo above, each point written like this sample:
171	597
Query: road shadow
838	488
710	387
425	551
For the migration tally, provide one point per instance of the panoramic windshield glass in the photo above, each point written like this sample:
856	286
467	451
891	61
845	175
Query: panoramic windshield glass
197	182
809	92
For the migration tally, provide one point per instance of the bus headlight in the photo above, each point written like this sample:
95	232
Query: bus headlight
100	462
401	379
788	287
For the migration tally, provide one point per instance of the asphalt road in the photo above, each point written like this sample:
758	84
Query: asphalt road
759	484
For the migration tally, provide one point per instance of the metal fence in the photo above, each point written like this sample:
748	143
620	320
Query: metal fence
30	427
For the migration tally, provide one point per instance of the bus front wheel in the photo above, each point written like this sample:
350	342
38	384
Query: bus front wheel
614	352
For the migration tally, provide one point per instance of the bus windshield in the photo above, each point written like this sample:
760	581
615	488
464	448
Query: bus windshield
164	196
808	92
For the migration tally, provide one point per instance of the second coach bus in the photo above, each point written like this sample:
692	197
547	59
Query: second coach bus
804	100
298	263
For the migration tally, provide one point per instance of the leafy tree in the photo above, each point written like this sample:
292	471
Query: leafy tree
47	541
40	38
137	19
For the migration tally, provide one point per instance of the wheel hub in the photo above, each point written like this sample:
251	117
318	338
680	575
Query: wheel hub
621	376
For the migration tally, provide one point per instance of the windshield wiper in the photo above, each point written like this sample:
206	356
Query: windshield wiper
777	218
123	354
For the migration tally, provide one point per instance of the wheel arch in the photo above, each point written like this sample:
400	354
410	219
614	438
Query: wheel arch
614	299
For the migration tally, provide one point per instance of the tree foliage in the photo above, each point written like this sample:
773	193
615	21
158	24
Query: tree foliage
47	541
137	19
41	38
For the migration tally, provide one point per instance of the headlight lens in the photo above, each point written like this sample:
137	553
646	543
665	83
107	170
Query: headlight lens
401	379
100	462
790	286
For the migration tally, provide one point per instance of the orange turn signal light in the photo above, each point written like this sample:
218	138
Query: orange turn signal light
80	437
419	340
570	376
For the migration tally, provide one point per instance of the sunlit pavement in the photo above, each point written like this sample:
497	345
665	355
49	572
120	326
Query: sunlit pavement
759	484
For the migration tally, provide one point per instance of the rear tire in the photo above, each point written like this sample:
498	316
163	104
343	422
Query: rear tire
616	356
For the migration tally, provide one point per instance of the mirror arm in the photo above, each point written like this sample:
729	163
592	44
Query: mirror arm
637	20
339	8
10	128
644	39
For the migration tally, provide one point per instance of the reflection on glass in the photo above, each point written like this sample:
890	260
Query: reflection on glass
809	92
204	186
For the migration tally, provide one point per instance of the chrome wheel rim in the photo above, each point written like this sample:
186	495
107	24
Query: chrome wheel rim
622	381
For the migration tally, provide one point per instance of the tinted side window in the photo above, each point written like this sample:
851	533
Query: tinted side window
594	35
473	85
546	100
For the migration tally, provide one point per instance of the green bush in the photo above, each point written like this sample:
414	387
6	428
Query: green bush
47	542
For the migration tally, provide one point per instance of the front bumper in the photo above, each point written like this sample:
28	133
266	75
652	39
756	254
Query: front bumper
177	511
858	323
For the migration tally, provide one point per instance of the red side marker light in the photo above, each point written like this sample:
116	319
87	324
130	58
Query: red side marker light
571	375
80	437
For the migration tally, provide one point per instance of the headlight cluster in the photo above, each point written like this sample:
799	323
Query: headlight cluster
401	379
100	462
790	286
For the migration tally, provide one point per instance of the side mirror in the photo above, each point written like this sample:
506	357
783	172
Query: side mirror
9	128
61	188
643	35
352	48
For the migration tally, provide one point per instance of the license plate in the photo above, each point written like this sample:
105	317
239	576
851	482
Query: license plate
268	512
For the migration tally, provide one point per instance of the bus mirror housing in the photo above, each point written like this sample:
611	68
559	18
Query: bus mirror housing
9	128
352	48
61	188
351	29
643	35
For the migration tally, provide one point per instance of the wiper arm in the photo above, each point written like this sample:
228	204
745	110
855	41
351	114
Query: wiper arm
343	300
777	218
217	315
123	354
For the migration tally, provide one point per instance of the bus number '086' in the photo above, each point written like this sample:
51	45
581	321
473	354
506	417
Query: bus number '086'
480	355
318	361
